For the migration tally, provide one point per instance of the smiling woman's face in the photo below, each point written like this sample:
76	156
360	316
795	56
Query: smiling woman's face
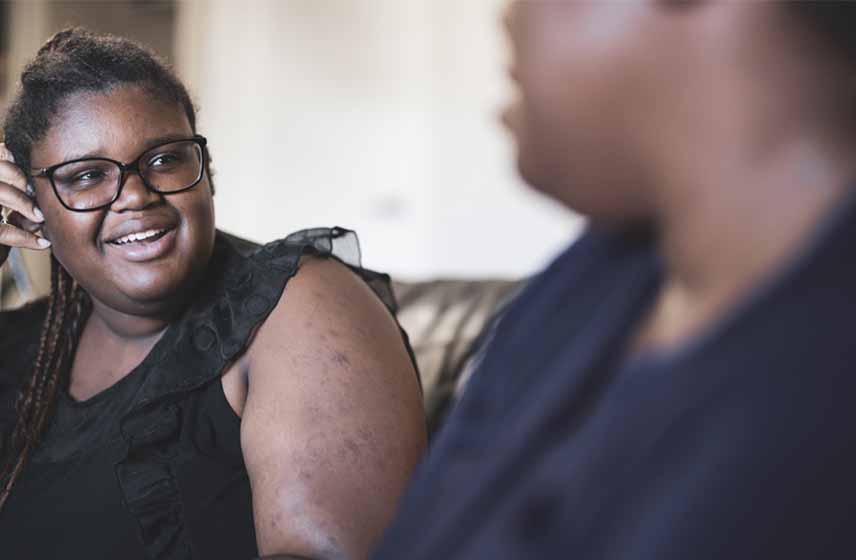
145	277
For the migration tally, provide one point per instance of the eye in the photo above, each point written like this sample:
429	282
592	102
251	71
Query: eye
165	159
82	175
85	179
88	176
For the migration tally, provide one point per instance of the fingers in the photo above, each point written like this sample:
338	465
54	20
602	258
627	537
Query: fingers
13	188
17	201
23	223
27	230
16	237
25	218
10	173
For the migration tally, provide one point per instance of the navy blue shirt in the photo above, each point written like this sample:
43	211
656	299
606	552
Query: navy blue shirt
740	445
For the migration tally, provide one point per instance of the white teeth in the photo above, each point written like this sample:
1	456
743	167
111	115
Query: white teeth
138	236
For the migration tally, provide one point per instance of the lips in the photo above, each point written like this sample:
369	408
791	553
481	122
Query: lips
139	230
142	239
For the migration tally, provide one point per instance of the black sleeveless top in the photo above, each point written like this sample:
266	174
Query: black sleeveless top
151	468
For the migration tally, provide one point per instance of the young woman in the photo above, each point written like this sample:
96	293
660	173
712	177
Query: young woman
180	395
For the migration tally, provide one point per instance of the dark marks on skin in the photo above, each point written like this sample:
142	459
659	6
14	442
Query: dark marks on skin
362	332
350	452
276	520
340	359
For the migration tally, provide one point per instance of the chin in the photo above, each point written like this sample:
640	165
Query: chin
538	177
151	292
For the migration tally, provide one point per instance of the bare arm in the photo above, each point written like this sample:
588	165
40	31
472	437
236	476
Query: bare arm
333	423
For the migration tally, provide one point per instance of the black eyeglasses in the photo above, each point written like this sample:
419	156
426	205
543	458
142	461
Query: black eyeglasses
88	184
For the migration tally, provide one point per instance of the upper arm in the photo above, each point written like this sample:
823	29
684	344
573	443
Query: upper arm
333	423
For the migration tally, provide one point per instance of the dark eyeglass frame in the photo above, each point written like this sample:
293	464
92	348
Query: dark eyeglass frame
124	169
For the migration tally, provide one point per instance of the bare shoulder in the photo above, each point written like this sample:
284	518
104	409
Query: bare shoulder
333	422
327	309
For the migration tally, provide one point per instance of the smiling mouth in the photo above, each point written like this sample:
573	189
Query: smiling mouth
140	238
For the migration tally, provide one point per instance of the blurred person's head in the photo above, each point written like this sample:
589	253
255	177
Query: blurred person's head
615	96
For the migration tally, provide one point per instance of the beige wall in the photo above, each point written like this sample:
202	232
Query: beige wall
374	114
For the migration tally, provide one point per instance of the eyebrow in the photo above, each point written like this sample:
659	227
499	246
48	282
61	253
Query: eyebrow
148	144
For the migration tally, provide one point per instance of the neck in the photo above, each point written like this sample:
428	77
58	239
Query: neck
740	184
726	228
111	346
126	328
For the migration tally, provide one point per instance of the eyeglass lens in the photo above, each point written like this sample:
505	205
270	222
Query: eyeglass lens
95	182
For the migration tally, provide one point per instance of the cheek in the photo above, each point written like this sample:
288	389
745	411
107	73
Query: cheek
72	239
541	125
66	229
198	208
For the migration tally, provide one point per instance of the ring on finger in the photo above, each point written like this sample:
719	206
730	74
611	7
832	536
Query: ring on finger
4	215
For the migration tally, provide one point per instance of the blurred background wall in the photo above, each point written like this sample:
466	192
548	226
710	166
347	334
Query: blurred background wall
379	115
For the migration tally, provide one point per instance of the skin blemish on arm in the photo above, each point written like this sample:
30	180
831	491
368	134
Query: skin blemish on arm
350	452
341	359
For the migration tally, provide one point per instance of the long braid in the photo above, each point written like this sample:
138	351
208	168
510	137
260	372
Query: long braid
68	308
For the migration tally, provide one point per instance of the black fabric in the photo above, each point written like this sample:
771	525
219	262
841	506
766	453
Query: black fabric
18	347
152	466
738	446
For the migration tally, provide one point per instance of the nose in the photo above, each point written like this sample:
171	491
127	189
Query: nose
134	194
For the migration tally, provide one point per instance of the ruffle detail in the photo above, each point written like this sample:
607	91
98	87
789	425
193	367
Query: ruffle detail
247	282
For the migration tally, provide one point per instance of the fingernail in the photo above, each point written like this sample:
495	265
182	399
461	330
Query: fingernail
43	243
38	213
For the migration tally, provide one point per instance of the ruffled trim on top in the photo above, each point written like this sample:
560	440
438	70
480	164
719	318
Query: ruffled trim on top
243	291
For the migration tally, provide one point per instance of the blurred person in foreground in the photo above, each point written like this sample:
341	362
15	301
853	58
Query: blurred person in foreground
180	394
681	382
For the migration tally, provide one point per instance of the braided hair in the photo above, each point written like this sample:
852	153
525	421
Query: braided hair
72	61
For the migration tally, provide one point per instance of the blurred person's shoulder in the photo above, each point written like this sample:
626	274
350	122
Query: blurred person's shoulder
591	262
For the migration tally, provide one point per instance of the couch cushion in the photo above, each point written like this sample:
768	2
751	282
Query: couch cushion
445	319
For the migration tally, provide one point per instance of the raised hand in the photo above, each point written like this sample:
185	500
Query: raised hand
21	217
